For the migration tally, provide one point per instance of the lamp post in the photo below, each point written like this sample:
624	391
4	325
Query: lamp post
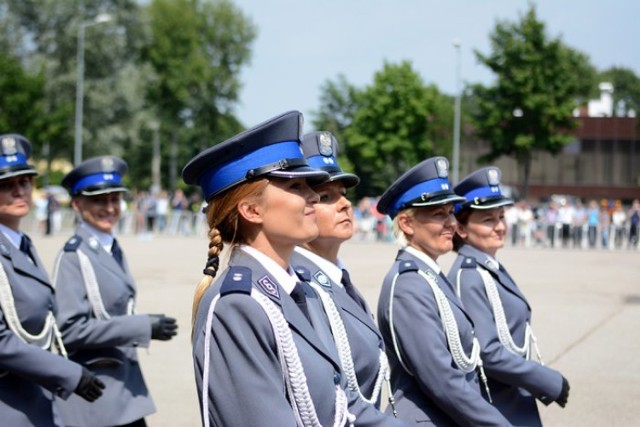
99	19
456	118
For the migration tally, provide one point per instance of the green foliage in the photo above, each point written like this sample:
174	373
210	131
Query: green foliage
539	82
387	127
626	88
22	100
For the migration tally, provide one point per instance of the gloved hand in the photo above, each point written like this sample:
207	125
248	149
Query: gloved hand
564	393
89	387
163	327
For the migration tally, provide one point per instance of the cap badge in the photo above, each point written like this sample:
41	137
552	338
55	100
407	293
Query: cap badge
9	146
107	164
442	168
324	144
493	177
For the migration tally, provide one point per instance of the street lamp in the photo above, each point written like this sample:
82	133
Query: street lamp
456	118
99	19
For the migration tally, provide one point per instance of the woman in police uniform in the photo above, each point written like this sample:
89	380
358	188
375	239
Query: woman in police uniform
355	334
259	359
498	308
96	296
428	335
30	374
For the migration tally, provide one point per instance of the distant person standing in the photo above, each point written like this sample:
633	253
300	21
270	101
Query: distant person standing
52	209
634	223
30	373
499	310
96	295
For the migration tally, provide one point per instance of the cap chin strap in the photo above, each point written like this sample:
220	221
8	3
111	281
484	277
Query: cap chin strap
276	166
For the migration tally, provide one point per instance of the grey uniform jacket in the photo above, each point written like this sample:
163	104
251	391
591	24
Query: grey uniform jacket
106	347
435	390
246	386
29	375
363	334
512	378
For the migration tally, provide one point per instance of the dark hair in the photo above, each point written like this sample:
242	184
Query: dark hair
463	218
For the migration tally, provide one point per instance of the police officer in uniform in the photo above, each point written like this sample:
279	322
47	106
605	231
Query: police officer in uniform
96	296
499	309
30	373
428	335
355	334
260	347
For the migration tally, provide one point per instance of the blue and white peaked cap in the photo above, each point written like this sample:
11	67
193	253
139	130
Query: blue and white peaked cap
97	175
321	149
425	184
481	190
270	149
14	152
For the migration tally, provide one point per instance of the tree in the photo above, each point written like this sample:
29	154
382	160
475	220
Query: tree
626	89
386	128
539	82
197	52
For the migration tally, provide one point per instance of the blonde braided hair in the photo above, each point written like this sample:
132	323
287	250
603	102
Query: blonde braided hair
225	226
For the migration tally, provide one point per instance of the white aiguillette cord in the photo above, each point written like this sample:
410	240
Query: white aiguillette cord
292	370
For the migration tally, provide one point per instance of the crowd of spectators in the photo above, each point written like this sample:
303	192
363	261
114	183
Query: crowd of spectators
563	221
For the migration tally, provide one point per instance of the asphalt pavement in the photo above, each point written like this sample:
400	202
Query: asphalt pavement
586	316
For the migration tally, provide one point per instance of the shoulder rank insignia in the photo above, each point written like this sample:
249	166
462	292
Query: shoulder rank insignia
302	273
407	266
491	264
73	244
322	279
469	262
237	280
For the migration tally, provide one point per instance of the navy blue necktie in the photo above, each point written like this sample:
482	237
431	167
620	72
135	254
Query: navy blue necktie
298	296
25	247
351	290
116	252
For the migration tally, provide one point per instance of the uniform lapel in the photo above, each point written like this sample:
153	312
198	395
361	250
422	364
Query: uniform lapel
339	295
502	278
22	263
266	283
443	282
103	257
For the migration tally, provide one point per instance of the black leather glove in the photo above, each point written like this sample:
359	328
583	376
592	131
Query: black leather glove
89	387
163	327
564	393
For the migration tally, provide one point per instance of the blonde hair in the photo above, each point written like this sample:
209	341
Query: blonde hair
224	223
400	236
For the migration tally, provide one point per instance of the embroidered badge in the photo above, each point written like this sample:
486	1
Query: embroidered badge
269	286
93	243
322	279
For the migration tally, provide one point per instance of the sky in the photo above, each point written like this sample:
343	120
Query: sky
301	44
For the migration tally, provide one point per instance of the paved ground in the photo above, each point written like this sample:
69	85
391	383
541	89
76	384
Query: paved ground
586	307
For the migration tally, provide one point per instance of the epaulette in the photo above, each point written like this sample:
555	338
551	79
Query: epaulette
303	273
73	244
406	266
237	280
469	262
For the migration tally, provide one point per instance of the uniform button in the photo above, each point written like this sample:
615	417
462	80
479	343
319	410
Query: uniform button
336	378
135	343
